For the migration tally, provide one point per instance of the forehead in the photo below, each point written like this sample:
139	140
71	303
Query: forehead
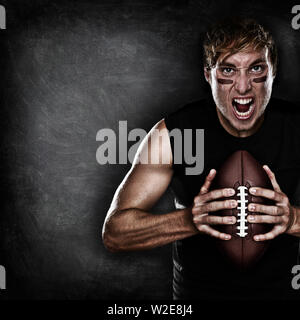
244	58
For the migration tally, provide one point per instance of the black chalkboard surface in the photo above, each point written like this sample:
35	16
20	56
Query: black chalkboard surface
70	69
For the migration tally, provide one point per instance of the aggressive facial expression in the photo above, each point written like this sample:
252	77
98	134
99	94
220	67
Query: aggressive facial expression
241	86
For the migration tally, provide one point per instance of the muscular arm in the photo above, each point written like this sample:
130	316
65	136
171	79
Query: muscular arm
129	224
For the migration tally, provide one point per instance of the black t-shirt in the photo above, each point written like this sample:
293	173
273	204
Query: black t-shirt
200	272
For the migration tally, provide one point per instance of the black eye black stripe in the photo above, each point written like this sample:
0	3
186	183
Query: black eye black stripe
228	81
261	79
225	81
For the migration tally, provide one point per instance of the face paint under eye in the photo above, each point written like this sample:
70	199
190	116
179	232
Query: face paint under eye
261	79
224	81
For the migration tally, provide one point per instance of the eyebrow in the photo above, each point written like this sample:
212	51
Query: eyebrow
260	60
227	64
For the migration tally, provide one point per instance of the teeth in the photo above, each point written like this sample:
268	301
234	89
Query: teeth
244	114
243	101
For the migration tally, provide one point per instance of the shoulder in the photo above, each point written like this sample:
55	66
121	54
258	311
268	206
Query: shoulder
186	115
287	112
284	108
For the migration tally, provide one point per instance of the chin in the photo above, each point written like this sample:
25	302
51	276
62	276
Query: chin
241	114
243	125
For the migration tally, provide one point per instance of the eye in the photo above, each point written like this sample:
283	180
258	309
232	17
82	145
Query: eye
257	69
227	71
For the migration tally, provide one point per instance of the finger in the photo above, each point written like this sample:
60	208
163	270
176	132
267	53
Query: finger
272	178
214	206
265	219
213	220
213	232
212	195
210	177
277	230
271	210
269	194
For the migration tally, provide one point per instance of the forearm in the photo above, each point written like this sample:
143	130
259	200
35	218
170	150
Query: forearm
295	228
134	229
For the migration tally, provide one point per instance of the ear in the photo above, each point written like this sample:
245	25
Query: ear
207	74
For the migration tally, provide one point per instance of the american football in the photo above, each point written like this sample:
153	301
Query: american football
241	171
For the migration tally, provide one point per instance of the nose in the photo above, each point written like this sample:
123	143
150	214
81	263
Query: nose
242	83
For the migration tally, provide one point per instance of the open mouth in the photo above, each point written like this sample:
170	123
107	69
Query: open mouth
243	108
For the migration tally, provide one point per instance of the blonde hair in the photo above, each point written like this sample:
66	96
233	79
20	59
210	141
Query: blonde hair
235	35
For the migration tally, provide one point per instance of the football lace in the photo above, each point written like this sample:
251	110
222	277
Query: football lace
242	211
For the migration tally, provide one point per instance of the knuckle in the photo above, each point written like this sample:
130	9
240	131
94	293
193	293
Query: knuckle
277	219
200	217
223	236
204	189
213	234
207	179
285	200
260	208
273	195
285	219
209	195
196	209
201	227
217	194
209	206
196	218
227	203
269	236
205	219
224	220
258	218
196	200
211	220
225	192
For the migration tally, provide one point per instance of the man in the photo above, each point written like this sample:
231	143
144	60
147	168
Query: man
240	61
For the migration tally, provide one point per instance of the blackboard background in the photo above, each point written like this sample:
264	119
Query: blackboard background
69	69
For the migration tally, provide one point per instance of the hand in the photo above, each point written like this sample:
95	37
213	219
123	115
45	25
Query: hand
203	204
282	214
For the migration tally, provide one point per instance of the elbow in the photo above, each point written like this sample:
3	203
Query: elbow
109	243
110	237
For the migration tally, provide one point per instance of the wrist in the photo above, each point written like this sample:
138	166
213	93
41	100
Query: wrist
294	228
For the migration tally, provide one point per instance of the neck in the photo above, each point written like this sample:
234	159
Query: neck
239	133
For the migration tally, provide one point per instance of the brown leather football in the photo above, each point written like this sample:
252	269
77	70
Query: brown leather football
241	171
